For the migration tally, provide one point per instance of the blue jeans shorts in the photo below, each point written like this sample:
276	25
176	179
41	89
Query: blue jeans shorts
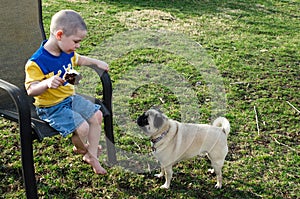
69	114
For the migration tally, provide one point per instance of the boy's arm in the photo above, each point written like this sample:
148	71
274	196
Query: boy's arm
39	87
35	82
88	61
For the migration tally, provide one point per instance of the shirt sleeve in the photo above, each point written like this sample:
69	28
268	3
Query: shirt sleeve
75	59
33	73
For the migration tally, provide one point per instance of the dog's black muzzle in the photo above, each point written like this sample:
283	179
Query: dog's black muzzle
143	120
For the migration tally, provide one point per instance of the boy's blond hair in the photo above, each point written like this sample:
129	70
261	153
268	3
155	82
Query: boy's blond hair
68	21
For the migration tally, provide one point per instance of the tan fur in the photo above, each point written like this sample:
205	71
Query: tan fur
184	141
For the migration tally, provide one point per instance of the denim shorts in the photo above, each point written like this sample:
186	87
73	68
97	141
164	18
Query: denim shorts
69	114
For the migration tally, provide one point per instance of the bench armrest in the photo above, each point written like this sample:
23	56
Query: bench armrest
23	108
108	120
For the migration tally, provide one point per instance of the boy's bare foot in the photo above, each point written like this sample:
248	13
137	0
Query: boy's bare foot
84	151
80	150
98	169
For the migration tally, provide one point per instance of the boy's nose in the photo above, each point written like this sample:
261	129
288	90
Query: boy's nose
77	45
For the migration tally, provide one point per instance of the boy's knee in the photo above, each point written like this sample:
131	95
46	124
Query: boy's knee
97	117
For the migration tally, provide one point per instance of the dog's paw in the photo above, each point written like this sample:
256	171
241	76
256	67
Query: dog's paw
218	186
159	175
164	186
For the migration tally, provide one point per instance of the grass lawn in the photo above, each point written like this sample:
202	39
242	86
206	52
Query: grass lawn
195	60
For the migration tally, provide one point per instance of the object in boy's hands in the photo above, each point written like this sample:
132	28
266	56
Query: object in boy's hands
72	77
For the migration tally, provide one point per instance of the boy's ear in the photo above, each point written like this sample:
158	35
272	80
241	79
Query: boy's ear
59	34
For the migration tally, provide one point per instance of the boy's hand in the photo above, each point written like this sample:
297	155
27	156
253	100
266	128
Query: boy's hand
54	82
103	65
37	88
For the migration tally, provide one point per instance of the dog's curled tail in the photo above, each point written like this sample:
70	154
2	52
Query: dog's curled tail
223	123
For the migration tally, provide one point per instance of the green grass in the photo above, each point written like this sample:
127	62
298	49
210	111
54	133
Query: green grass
254	45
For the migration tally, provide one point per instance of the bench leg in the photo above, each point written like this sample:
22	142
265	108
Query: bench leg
28	165
110	142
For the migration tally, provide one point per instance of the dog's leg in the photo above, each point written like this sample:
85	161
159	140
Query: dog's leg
217	165
210	170
168	176
161	174
218	172
217	159
217	168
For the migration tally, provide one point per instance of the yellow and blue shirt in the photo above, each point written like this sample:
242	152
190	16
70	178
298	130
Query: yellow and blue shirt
43	65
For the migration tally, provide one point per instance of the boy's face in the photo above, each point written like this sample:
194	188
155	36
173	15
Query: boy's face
69	44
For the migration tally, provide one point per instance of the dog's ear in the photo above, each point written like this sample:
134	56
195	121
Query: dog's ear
157	108
158	120
143	120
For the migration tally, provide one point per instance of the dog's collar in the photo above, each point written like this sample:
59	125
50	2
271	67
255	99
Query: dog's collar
156	140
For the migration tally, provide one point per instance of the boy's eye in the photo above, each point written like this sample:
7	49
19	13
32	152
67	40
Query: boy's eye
77	41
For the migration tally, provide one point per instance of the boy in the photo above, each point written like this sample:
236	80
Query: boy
55	98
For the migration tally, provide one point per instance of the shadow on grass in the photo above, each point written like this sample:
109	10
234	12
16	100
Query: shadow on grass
197	7
15	175
183	184
239	10
49	187
186	6
57	191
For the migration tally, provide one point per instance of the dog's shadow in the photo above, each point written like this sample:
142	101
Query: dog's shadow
200	183
197	183
203	186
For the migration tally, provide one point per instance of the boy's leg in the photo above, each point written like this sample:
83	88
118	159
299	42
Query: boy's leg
93	143
79	147
89	131
79	138
83	151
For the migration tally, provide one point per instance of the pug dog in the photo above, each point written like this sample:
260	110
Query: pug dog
173	141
